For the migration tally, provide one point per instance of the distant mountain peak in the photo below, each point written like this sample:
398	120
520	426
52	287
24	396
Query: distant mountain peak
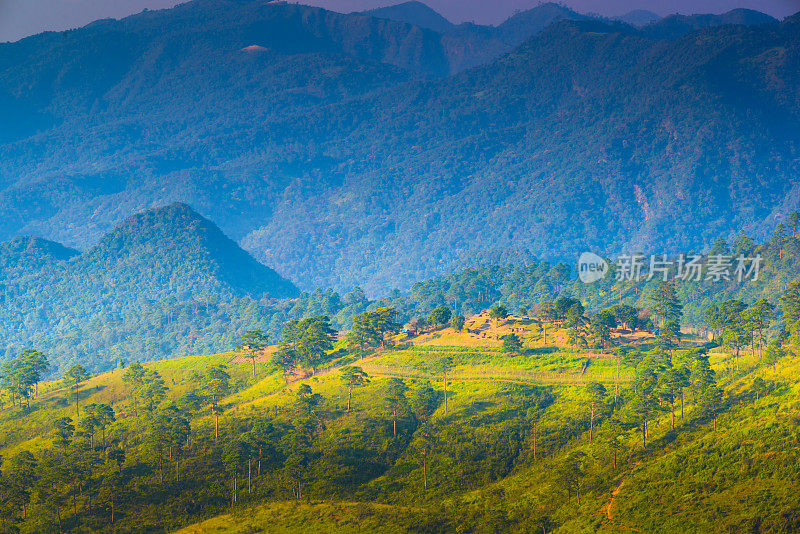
29	242
525	24
176	238
550	8
674	26
177	212
747	17
415	13
29	253
639	18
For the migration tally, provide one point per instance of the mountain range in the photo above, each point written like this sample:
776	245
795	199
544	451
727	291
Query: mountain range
348	150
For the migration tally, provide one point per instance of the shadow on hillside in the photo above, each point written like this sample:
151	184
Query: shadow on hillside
501	416
474	408
85	393
360	465
51	403
688	429
68	398
540	351
55	402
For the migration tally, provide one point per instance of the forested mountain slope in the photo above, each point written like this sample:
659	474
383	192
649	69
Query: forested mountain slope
336	148
160	280
589	136
167	283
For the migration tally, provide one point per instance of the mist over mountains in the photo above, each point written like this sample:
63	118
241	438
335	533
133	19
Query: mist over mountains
347	150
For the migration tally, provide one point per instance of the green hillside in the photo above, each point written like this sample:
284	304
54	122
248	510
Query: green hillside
267	267
506	423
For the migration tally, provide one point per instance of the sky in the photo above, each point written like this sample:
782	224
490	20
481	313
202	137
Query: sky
20	18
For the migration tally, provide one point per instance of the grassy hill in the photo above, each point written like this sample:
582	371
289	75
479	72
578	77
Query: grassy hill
510	452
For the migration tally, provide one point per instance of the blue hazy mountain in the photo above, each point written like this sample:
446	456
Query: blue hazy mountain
639	17
526	24
675	26
341	151
415	13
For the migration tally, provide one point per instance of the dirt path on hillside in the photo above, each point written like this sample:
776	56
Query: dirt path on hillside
504	375
608	509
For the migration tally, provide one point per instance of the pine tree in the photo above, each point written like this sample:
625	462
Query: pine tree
253	343
351	377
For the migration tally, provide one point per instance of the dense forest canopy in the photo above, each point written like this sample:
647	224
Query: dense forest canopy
350	150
